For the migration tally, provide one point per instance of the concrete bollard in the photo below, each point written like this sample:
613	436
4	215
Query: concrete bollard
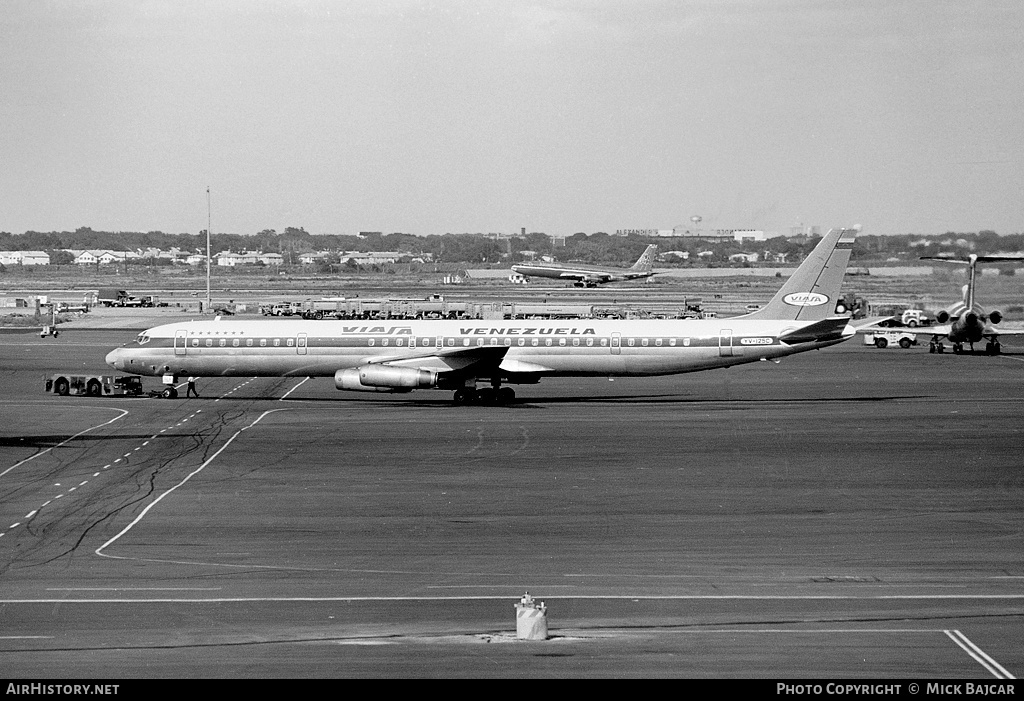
531	619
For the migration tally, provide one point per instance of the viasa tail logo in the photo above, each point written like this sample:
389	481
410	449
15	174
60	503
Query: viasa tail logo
805	299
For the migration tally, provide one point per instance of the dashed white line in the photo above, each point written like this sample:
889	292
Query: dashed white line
124	412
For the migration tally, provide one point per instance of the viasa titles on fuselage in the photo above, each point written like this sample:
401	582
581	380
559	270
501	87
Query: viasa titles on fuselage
460	355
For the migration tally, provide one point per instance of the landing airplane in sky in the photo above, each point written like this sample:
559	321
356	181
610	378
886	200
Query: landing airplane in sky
590	275
399	356
968	321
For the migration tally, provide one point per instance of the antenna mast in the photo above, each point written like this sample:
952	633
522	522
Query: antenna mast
208	219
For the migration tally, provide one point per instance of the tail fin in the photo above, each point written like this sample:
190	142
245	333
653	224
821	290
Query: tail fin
972	265
645	263
811	292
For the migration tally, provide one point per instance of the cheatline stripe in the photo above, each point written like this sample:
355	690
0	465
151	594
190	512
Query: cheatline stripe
996	669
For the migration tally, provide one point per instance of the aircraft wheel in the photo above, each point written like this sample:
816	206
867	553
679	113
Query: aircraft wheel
61	387
506	395
940	348
94	389
486	396
996	348
958	348
169	393
931	347
464	396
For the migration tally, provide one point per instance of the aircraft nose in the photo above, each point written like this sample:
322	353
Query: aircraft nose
115	359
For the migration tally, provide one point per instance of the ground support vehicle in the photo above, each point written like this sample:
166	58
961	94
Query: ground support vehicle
66	384
881	339
323	308
111	297
914	318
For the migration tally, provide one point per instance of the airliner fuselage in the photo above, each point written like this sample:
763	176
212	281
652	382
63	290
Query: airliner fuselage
531	348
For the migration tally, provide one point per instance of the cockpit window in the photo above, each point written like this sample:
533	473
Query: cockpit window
142	340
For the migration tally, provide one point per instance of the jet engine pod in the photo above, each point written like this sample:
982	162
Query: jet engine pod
942	317
349	379
384	378
995	316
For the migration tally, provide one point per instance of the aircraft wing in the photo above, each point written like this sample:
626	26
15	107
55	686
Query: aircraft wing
444	359
936	330
869	324
481	360
995	331
585	277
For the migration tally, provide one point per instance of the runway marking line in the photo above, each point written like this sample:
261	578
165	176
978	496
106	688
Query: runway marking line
99	550
124	412
292	390
979	655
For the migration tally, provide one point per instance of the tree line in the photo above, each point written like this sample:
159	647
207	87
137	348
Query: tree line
471	249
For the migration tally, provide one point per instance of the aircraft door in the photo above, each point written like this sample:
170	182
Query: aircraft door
725	342
616	342
300	344
180	342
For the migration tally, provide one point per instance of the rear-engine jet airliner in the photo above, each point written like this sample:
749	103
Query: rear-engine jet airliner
399	356
590	275
967	321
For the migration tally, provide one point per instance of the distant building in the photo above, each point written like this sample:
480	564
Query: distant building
747	235
685	255
372	257
24	258
230	260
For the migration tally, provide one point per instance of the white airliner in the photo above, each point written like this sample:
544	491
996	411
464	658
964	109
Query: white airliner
399	356
967	321
591	275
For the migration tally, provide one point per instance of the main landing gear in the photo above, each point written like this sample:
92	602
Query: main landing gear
993	347
484	395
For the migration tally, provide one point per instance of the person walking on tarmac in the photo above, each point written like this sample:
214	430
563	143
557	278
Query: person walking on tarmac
191	388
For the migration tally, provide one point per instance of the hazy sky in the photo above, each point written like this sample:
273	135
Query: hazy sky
435	117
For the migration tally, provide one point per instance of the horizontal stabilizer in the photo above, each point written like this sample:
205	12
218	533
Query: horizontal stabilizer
824	330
